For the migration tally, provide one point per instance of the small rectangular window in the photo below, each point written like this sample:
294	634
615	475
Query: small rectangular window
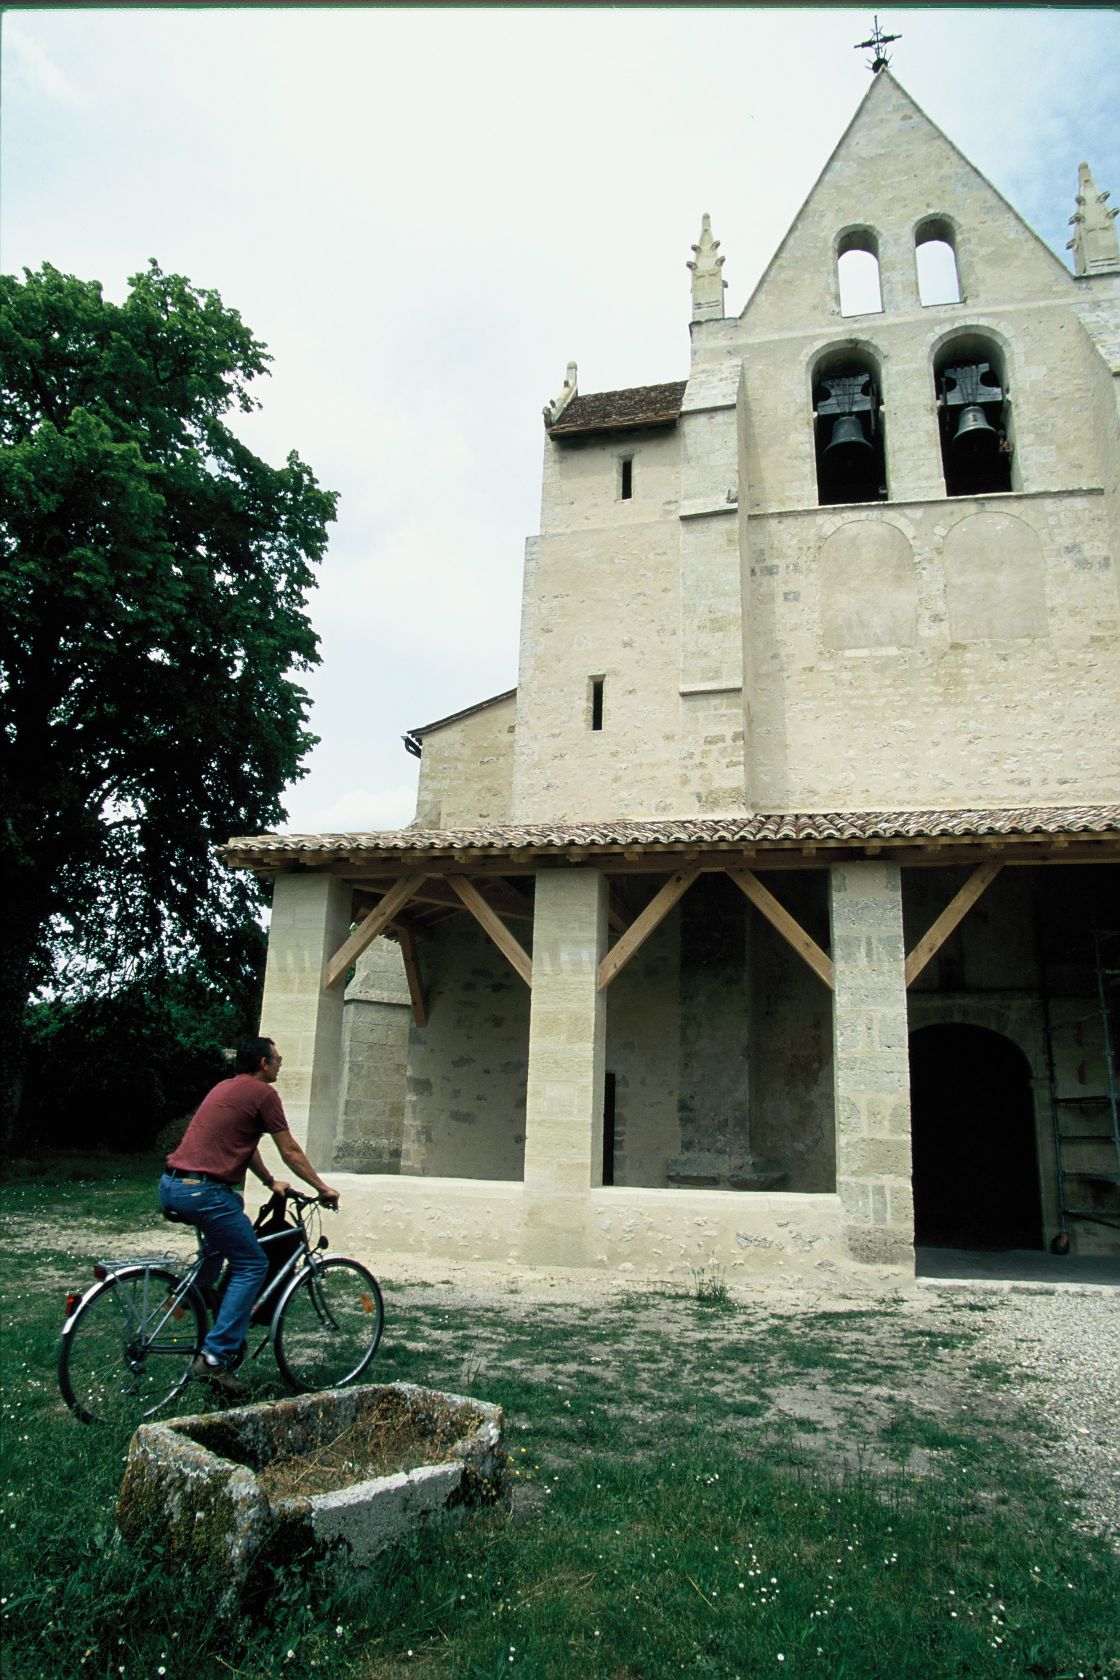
626	477
596	702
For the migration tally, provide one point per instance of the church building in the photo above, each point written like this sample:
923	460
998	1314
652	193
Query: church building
773	920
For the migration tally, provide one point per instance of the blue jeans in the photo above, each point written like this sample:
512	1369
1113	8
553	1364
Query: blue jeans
219	1213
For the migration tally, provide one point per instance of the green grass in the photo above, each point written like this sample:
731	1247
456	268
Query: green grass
670	1518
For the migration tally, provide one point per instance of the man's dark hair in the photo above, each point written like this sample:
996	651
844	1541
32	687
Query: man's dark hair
251	1052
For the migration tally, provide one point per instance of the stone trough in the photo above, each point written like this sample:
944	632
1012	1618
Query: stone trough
220	1495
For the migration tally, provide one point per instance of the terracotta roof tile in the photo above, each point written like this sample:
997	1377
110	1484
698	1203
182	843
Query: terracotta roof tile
612	411
762	829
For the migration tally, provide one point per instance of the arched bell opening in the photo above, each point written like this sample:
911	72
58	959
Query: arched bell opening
935	256
848	426
975	1163
857	272
974	413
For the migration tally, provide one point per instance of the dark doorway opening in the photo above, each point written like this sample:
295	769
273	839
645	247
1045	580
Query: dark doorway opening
972	1121
608	1128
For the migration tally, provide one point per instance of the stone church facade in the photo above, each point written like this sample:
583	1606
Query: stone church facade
773	920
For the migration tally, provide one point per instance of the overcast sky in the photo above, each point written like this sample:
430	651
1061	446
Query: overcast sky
426	213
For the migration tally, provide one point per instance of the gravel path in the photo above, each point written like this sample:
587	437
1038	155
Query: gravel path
1065	1344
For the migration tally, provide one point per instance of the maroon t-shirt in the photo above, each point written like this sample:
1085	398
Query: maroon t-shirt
227	1127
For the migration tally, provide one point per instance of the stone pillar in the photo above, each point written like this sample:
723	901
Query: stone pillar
567	1049
376	1021
310	920
871	1062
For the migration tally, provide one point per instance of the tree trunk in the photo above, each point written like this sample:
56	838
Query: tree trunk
21	923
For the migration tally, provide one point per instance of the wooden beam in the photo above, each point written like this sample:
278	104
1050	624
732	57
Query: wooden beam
412	974
367	931
640	929
779	917
618	917
954	912
490	923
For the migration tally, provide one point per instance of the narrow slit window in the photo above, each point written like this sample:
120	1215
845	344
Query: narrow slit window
597	702
626	477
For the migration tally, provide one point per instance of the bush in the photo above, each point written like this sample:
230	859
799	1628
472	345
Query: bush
114	1071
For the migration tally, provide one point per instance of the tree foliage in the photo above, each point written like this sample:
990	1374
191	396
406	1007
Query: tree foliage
153	584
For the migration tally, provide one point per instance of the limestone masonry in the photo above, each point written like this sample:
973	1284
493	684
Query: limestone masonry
773	920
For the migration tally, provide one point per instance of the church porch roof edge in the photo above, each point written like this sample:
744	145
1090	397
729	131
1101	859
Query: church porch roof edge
607	411
762	828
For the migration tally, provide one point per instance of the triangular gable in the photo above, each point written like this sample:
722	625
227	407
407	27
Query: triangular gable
892	167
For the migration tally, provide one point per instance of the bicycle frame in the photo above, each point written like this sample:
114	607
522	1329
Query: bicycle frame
155	1293
105	1271
278	1288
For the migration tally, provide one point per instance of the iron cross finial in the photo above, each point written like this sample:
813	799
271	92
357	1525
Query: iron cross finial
878	41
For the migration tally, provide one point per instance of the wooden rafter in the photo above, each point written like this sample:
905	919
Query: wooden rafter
491	924
412	973
779	917
618	917
367	931
436	893
954	912
640	929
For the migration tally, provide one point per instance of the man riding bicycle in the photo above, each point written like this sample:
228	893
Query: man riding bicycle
203	1187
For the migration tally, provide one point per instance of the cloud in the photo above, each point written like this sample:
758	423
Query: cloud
358	811
425	213
35	69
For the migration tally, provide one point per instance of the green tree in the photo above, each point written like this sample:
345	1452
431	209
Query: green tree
153	584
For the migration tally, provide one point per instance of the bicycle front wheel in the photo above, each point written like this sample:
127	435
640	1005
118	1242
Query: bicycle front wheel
128	1349
329	1325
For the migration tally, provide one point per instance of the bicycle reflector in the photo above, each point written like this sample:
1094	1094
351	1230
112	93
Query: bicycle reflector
72	1299
100	1272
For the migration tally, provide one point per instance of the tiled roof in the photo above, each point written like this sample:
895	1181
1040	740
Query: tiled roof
467	711
612	411
774	829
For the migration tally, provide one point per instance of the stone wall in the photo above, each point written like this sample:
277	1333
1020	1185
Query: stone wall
466	769
465	1103
601	602
643	1030
759	651
999	685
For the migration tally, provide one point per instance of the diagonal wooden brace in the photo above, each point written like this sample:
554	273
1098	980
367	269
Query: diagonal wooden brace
514	953
955	911
642	926
365	934
778	916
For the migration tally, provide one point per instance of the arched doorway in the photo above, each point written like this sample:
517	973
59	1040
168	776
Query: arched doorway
972	1122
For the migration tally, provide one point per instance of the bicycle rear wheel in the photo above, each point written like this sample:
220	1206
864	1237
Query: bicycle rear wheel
128	1349
329	1325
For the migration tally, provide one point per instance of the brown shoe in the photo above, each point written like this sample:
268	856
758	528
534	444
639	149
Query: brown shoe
218	1378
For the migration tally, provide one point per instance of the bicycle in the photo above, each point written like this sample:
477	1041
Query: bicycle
128	1343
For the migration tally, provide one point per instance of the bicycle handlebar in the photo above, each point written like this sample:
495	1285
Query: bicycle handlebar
291	1194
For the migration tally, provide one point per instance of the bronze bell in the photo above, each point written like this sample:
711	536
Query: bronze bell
847	435
975	435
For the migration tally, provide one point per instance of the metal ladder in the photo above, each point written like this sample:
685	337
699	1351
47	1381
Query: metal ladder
1086	1127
